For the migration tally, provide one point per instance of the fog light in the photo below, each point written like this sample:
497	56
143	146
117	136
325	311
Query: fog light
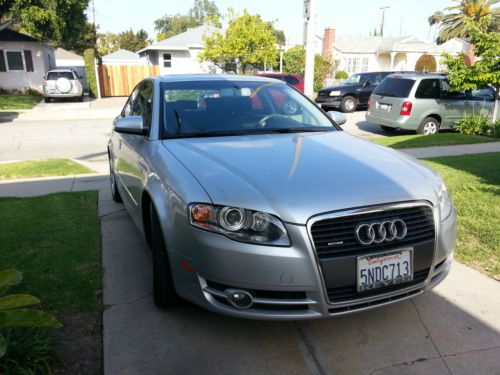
239	298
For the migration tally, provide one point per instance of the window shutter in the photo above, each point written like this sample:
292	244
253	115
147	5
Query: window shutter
3	68
29	61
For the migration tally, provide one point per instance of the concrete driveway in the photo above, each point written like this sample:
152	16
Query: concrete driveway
455	329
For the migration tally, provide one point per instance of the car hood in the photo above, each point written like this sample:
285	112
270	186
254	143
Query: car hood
296	176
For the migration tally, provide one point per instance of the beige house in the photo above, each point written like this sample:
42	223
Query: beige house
23	61
357	54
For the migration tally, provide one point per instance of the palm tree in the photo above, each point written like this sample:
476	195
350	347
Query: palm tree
435	19
454	25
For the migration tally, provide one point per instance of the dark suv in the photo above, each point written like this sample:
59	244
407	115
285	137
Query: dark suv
352	93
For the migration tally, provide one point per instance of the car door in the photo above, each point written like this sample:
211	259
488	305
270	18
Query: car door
454	104
368	87
482	101
130	145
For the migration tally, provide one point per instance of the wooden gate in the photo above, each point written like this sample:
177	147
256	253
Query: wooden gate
120	80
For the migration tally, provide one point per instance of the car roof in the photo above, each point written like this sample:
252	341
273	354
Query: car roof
417	75
212	77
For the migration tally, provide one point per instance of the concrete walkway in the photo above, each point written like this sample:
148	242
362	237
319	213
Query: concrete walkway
432	152
452	330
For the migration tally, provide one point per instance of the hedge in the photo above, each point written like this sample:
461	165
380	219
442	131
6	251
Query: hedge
90	69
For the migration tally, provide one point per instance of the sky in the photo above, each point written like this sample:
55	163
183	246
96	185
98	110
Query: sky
349	18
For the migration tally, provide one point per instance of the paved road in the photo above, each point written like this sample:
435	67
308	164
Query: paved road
452	330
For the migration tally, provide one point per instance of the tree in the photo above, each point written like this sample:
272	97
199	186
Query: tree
109	42
280	36
454	24
248	42
62	22
486	69
435	20
201	12
294	61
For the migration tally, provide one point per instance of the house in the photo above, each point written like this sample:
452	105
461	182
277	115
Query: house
23	61
179	54
357	54
122	57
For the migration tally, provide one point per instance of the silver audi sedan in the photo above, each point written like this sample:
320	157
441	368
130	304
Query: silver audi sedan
257	205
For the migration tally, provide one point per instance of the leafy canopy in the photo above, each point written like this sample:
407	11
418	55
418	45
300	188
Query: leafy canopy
294	61
110	42
248	42
201	12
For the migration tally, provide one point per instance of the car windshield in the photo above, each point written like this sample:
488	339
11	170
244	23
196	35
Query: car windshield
232	107
355	79
394	87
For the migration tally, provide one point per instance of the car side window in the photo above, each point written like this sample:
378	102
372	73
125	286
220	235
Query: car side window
448	93
291	80
146	93
375	79
127	110
428	89
483	94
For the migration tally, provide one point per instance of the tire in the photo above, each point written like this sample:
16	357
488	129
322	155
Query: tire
80	98
348	104
429	126
112	179
387	129
47	100
163	284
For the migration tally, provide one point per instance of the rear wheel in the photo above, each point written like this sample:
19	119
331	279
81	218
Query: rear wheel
429	126
163	285
348	104
47	100
80	98
387	129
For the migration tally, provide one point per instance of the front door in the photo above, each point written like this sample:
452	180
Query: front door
455	105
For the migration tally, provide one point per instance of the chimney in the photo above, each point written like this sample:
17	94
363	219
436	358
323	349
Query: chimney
328	41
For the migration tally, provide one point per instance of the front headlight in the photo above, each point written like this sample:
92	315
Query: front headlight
335	93
445	202
239	224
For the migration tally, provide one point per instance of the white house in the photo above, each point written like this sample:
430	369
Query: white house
122	57
179	54
23	61
357	54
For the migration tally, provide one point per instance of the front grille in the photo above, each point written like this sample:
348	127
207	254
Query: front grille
340	231
349	293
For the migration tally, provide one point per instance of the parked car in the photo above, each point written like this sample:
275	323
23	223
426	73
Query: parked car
62	83
256	213
293	80
424	103
352	93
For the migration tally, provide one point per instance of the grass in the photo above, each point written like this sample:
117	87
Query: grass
441	139
54	240
8	102
474	184
41	168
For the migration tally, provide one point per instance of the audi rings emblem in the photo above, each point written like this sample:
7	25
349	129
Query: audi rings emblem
378	232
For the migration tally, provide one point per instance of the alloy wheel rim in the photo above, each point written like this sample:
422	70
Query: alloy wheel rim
349	104
430	128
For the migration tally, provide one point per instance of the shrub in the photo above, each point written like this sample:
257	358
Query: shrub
341	75
478	125
90	68
31	91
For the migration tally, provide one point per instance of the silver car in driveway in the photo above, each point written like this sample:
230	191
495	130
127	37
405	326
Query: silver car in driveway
62	84
254	212
424	103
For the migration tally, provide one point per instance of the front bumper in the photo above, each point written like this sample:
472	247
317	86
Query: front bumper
401	122
329	101
287	283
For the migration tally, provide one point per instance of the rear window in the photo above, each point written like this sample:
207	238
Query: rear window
291	80
428	89
57	75
395	87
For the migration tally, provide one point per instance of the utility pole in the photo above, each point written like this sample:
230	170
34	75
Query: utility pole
383	19
93	21
310	33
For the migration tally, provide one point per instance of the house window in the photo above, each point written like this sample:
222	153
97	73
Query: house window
364	67
15	60
355	65
167	60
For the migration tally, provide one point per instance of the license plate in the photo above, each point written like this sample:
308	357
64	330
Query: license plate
385	107
376	271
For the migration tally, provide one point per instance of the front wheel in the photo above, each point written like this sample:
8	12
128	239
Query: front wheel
348	104
429	126
163	284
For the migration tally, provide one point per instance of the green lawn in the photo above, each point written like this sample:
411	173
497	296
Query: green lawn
441	139
41	168
18	101
474	184
54	240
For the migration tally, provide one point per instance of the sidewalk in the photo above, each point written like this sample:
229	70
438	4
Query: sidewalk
432	152
452	330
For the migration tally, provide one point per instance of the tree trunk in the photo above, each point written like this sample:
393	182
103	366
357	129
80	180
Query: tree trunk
495	103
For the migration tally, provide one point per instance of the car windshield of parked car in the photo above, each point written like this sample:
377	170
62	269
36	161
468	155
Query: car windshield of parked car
231	107
394	87
355	79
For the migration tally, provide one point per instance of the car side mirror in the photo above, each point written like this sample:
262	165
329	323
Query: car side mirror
338	117
130	125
